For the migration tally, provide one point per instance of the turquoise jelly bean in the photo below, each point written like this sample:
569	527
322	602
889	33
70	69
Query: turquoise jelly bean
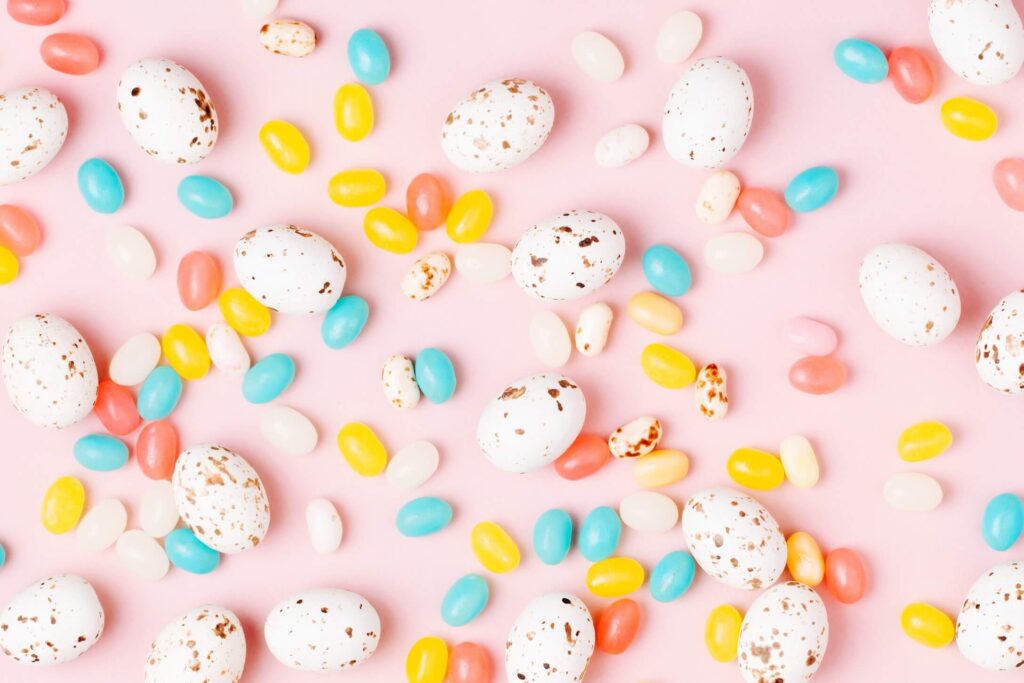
423	516
672	576
345	321
265	380
435	375
100	186
3	555
599	534
1003	521
812	189
204	196
101	452
368	56
465	600
552	536
187	552
159	394
860	60
667	271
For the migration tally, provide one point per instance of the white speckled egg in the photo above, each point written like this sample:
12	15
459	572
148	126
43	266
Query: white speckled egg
167	111
290	269
551	641
531	422
909	294
52	621
497	126
999	356
322	629
990	628
708	113
783	636
398	380
204	645
568	256
734	538
49	371
426	276
33	126
221	498
621	145
981	40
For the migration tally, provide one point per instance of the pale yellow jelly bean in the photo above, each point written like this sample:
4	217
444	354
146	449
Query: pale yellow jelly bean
63	505
186	352
362	450
353	112
661	468
655	313
667	367
804	559
243	312
799	461
495	549
357	187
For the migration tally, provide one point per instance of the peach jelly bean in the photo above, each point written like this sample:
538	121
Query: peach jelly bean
809	337
70	53
157	450
19	231
817	374
469	663
845	575
36	12
655	313
1008	176
804	560
764	211
427	202
660	468
115	407
617	626
911	74
587	454
198	280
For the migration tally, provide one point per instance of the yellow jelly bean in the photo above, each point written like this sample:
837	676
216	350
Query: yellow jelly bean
353	112
427	661
243	312
924	441
804	559
63	505
357	187
755	469
615	577
469	217
186	351
660	468
362	450
968	118
390	230
495	549
927	625
722	632
667	367
8	265
285	145
655	313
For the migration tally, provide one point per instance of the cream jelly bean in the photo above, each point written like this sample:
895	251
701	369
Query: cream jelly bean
655	313
102	525
710	392
227	353
912	491
621	145
592	328
597	56
142	555
135	359
660	468
323	524
635	438
158	513
413	465
130	251
799	461
288	37
288	430
483	262
550	339
427	275
678	37
494	548
717	197
398	380
733	252
649	511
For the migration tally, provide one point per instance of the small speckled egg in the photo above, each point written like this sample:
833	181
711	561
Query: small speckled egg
33	126
204	645
734	538
981	40
635	438
322	629
52	621
531	422
990	628
167	111
426	276
551	641
783	636
497	126
288	37
621	145
999	355
48	371
568	256
398	380
909	294
290	269
221	498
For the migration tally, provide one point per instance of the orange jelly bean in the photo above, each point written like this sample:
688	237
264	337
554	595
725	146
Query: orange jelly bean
617	626
115	407
817	374
469	663
157	450
763	210
427	201
198	280
845	575
70	53
911	74
804	560
587	454
36	12
19	231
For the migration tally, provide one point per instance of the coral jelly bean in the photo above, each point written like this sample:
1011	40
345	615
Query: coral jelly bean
157	449
115	407
617	626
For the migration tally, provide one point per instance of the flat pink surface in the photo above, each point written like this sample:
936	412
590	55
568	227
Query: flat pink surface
903	178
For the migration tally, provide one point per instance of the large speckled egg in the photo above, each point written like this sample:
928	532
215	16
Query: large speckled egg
981	40
999	355
204	645
990	628
551	641
783	636
52	621
33	126
48	371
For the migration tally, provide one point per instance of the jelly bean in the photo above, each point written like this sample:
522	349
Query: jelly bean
353	112
423	516
135	359
227	353
159	393
1003	521
36	12
614	577
426	201
130	250
755	469
799	462
621	145
804	559
156	450
186	351
927	625
845	575
599	534
860	60
345	321
469	663
288	37
672	576
465	600
969	119
413	465
100	186
483	262
257	9
142	555
722	633
717	197
710	392
587	454
19	230
323	524
435	375
285	145
678	37
655	313
426	276
809	337
158	512
733	252
243	312
667	271
398	382
660	468
288	430
187	552
62	505
911	74
70	53
924	441
1008	175
362	450
550	340
101	452
357	187
597	56
648	511
817	374
469	217
102	525
812	189
427	661
368	56
912	491
3	559
268	378
205	197
198	280
667	367
552	536
389	230
8	266
637	437
494	548
617	626
764	211
592	328
115	407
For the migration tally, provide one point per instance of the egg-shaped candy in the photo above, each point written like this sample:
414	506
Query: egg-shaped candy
981	40
999	355
322	629
52	621
34	124
551	641
990	628
204	645
783	636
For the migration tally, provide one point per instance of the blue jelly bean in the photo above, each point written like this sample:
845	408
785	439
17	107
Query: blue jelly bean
667	271
1003	521
187	552
435	375
3	555
204	196
599	534
552	536
100	186
345	321
101	452
672	576
159	394
862	61
465	600
368	56
812	189
423	516
265	380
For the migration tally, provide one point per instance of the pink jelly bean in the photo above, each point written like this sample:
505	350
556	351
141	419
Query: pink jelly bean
36	12
1008	176
19	231
817	374
810	337
70	53
911	74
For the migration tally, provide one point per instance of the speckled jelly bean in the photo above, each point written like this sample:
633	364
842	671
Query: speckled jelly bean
62	505
188	553
812	189
205	197
924	441
845	575
390	230
617	626
427	202
368	56
969	118
804	559
860	60
494	548
285	145
100	186
357	187
423	516
667	271
427	661
19	230
101	452
435	375
587	454
660	468
755	469
1003	521
362	449
667	367
672	576
615	576
469	217
243	312
345	321
186	352
722	633
198	280
268	378
115	408
159	393
353	112
156	450
927	625
70	53
911	74
552	536
465	600
599	534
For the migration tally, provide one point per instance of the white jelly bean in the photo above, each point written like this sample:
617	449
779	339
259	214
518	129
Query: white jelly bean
599	57
158	513
131	252
426	276
649	511
733	252
592	328
678	37
550	339
135	359
717	197
636	437
257	9
288	430
412	465
483	262
226	350
398	380
142	555
288	37
621	145
799	461
324	525
912	491
102	525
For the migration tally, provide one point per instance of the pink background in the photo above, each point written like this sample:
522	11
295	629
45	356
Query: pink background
903	178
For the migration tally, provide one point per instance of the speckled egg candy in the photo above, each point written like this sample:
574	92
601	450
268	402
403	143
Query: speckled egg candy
52	621
551	641
33	126
288	37
427	275
990	628
398	380
981	40
999	356
204	645
783	636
